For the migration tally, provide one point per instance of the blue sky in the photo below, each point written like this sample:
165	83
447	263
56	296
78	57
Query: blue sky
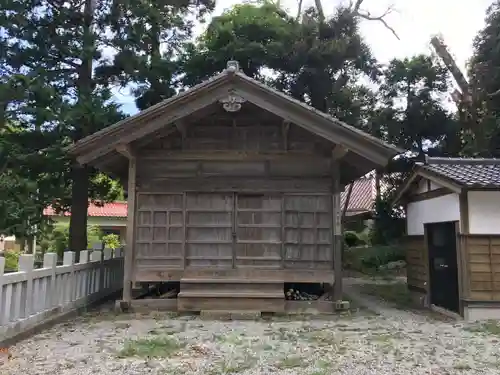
458	21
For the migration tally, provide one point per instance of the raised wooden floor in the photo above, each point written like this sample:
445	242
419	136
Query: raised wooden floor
229	294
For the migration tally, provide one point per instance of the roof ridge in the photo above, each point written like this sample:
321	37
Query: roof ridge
457	160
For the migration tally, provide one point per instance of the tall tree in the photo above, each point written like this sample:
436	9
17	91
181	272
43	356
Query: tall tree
55	44
313	59
484	74
412	106
147	40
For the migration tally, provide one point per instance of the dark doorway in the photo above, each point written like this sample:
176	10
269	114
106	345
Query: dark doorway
443	266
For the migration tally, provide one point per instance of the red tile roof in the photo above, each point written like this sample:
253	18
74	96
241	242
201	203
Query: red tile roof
114	209
363	195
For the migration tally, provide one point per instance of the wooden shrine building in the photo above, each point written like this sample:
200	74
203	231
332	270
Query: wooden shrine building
233	190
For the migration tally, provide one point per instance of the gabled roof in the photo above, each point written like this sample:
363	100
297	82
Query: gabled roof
167	112
455	174
113	209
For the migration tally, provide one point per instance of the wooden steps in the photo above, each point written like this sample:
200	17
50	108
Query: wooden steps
229	294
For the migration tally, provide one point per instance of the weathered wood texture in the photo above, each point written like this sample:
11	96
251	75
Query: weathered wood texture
232	230
233	195
481	281
417	264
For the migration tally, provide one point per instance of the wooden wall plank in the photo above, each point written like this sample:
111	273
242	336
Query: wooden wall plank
417	267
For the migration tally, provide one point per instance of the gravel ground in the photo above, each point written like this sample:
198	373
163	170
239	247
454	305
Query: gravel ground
363	343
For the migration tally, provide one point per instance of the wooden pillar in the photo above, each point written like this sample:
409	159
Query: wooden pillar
129	250
336	230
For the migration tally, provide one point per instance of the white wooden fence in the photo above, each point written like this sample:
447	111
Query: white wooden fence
33	296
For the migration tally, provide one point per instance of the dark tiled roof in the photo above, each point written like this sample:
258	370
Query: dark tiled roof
480	173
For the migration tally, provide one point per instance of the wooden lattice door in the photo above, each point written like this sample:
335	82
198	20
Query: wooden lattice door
258	227
209	226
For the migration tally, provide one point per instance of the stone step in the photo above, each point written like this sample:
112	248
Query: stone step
235	293
229	315
231	285
226	302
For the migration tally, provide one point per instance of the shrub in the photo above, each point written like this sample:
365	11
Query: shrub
351	238
111	241
371	258
11	260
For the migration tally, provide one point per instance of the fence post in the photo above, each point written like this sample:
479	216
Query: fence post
94	257
3	300
50	261
84	275
108	270
69	260
26	263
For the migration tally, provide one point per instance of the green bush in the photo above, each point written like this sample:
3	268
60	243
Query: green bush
111	241
11	260
94	234
351	238
371	258
56	238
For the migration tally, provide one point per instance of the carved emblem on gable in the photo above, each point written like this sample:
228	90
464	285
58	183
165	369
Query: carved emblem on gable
232	103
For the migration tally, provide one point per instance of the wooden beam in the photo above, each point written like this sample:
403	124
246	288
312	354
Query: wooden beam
285	130
233	156
129	250
439	192
347	200
160	134
336	231
182	129
125	150
339	152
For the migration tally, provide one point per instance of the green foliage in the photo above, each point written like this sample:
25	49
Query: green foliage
11	260
111	241
351	238
371	258
412	106
389	223
94	235
55	240
48	98
484	74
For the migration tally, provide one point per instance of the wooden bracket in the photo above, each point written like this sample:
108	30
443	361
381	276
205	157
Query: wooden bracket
126	151
285	130
339	152
181	128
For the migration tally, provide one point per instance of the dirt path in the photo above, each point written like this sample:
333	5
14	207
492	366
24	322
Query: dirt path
378	306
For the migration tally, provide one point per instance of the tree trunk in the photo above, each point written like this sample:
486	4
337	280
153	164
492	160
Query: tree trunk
321	13
79	208
80	174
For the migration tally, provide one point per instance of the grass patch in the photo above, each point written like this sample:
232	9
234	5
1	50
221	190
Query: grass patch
395	293
232	366
157	347
291	362
462	366
324	338
490	327
231	338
